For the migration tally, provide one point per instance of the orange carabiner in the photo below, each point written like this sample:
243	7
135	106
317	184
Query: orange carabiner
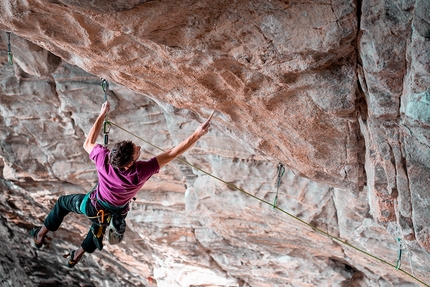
101	211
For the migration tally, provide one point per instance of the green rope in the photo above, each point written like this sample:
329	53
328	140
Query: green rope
280	209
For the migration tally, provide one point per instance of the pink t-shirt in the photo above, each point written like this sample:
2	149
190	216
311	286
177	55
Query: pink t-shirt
118	187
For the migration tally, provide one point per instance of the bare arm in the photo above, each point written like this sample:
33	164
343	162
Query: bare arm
90	141
167	156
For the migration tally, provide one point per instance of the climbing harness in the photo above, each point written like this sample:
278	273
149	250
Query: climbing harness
115	222
399	256
108	216
101	218
281	171
106	124
9	53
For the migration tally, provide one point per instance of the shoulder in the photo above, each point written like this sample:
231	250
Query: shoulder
148	166
98	150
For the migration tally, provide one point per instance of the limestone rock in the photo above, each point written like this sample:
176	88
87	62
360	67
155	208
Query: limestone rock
265	71
338	91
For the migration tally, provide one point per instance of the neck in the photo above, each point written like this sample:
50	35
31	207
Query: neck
128	165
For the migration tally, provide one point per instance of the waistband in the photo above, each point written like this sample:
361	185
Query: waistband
109	207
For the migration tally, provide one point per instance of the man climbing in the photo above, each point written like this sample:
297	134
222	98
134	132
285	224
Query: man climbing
121	175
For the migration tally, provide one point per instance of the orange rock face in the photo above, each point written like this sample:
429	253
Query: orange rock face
338	91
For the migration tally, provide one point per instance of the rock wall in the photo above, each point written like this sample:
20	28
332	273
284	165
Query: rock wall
338	91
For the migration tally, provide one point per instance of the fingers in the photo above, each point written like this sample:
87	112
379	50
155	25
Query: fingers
206	127
207	122
105	107
204	130
210	117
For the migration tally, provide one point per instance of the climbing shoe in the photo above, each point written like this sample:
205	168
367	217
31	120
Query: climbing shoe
71	262
34	233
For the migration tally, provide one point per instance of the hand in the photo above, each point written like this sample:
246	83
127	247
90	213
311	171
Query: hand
105	108
204	127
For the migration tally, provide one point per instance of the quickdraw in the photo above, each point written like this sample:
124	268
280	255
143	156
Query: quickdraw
399	256
9	53
106	123
281	171
105	87
106	129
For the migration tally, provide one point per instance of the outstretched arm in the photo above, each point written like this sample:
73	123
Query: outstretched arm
167	156
90	141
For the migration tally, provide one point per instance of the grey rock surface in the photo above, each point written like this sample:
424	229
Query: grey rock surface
337	91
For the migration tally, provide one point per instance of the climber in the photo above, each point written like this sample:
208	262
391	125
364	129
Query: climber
120	174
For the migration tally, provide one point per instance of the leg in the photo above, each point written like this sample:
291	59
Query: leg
89	244
79	253
75	257
64	205
41	234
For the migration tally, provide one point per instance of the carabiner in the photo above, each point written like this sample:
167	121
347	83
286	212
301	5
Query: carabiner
105	87
105	129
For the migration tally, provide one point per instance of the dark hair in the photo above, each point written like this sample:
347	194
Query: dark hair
121	154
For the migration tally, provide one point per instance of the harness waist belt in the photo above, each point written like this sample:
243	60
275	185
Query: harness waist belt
110	207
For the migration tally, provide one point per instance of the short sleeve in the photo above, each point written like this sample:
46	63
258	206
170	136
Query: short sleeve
147	168
98	155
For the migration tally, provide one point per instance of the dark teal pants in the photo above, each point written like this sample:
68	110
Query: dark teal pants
71	203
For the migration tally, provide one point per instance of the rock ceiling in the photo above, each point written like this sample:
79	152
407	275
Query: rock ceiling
337	91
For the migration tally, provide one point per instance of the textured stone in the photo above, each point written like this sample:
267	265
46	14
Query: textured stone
396	80
422	18
337	92
163	49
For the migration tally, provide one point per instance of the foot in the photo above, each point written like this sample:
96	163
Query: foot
38	236
75	256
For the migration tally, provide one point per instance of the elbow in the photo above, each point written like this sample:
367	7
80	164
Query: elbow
85	145
88	147
165	158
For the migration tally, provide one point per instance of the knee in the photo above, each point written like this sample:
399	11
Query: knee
88	249
61	199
